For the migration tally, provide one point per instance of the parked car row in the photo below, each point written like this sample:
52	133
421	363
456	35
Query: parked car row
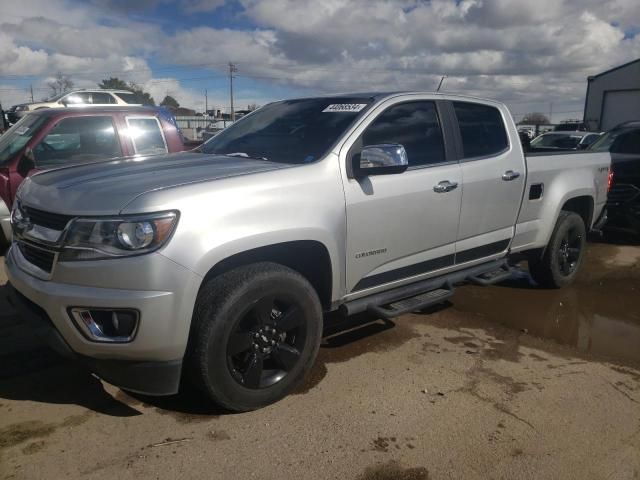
623	142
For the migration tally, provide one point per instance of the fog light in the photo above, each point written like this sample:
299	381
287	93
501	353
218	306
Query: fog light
106	325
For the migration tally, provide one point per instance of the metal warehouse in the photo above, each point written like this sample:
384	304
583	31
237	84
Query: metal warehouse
613	97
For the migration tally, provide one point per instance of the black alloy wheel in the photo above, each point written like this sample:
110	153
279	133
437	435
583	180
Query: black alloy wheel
266	342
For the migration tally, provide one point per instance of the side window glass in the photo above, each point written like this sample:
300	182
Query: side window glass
628	143
78	140
102	98
482	129
414	125
78	98
147	136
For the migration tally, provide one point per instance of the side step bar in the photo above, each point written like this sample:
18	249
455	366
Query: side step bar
495	276
412	304
418	288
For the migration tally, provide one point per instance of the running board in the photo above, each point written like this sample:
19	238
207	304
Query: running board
411	290
495	276
412	304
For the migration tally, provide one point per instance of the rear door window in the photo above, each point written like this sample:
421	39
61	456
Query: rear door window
128	97
103	98
78	98
628	142
78	140
415	126
146	135
481	128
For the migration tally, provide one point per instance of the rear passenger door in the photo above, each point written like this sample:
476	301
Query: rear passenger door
493	180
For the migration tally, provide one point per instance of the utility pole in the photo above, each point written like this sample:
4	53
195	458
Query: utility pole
31	89
232	70
206	104
441	82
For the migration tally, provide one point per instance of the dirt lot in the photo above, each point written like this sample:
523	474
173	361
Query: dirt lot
505	382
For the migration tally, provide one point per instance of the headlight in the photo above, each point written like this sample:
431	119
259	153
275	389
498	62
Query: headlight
22	108
93	239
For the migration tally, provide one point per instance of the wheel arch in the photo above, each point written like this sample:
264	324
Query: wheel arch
583	205
310	258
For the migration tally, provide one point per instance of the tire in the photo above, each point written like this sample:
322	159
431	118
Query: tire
4	243
256	333
563	256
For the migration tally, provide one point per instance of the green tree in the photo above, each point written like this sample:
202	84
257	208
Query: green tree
170	102
115	83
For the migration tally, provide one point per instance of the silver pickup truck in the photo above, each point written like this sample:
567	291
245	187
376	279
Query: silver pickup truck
217	265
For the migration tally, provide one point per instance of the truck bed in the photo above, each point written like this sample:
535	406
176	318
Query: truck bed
549	177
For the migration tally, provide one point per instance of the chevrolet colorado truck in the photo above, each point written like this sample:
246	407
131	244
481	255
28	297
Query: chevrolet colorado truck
51	138
217	266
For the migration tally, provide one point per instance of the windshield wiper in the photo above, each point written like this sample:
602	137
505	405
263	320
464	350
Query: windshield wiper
245	155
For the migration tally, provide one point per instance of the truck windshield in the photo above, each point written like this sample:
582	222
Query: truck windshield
292	131
18	135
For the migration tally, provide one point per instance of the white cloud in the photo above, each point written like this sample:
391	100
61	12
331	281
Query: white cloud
531	53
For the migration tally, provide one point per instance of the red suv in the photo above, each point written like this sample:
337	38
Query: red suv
51	138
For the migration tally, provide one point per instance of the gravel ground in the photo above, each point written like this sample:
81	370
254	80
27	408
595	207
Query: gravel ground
505	382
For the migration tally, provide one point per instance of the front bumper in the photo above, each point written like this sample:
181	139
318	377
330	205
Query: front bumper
150	363
151	378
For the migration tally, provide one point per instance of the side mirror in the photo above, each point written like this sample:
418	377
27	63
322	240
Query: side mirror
27	162
380	159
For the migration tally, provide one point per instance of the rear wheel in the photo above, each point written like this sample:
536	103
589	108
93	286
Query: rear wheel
256	333
563	256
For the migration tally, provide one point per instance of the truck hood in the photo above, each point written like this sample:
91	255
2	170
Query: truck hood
105	188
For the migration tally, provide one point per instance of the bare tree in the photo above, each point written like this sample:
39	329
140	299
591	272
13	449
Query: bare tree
60	84
535	118
252	106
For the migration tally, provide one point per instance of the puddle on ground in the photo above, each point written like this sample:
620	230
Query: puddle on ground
393	471
599	314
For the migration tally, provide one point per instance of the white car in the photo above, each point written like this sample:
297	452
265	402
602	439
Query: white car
77	98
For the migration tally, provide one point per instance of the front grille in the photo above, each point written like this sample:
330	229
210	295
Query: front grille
623	193
54	221
43	259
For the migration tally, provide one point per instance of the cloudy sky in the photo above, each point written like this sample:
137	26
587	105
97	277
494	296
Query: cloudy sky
533	54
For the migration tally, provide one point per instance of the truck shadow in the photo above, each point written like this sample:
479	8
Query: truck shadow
31	371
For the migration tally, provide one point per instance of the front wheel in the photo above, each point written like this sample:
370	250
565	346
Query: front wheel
563	256
256	333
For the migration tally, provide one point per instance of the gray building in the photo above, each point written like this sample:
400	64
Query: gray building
613	97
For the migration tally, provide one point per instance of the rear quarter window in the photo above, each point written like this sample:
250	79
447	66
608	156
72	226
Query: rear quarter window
481	128
130	98
146	135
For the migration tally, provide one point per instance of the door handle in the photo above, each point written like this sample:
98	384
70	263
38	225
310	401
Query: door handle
510	175
445	186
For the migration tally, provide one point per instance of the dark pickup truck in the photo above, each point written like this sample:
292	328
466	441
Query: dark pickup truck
623	206
51	138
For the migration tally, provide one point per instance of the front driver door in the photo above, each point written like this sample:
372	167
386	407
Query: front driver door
399	228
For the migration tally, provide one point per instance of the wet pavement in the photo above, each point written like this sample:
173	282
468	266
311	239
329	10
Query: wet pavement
508	381
599	314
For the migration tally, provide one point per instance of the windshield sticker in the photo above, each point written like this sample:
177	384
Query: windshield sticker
345	107
22	130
